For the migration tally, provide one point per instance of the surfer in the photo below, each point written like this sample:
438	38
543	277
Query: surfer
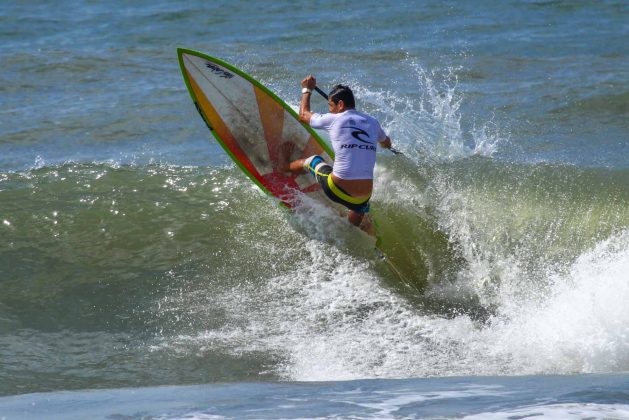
354	137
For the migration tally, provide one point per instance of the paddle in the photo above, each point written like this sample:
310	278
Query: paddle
322	93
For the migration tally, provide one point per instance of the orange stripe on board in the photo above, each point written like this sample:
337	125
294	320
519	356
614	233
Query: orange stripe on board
217	123
312	148
272	117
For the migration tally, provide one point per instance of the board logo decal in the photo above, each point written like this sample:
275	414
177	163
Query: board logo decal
218	70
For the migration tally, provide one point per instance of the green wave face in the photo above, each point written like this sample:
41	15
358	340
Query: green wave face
100	220
142	259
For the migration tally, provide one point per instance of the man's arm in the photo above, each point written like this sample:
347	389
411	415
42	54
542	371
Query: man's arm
304	107
386	143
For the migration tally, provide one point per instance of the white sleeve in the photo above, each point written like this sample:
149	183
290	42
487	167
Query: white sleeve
322	121
381	135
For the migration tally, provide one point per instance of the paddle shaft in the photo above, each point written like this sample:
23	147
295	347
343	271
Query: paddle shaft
322	93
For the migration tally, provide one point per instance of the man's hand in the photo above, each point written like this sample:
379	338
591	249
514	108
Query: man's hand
386	143
309	82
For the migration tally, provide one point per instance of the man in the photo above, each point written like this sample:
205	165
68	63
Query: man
354	136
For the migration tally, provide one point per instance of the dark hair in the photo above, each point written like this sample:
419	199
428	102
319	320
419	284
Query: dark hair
344	93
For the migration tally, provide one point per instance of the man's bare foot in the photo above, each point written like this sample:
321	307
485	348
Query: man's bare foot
283	157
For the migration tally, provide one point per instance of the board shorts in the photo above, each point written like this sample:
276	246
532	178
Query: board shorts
321	171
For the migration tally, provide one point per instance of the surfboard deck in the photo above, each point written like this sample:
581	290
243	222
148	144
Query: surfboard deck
254	126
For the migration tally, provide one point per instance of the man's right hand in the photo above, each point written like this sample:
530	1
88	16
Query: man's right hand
386	143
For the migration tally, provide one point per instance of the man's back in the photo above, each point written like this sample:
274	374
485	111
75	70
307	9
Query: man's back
354	137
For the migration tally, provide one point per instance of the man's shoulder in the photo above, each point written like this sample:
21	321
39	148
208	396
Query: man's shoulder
370	118
322	120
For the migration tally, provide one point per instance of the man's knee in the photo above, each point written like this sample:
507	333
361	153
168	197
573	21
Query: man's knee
311	163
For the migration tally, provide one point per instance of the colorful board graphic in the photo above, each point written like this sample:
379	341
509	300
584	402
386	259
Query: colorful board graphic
253	125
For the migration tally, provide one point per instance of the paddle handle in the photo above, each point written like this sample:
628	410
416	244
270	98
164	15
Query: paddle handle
322	93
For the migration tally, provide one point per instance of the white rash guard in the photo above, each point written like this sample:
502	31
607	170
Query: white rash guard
354	138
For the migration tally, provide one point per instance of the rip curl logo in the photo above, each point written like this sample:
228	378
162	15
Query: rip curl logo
220	72
357	132
359	146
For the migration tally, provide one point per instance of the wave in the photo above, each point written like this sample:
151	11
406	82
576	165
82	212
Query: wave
197	261
610	106
449	213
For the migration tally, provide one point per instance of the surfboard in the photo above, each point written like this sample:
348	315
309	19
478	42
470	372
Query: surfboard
254	126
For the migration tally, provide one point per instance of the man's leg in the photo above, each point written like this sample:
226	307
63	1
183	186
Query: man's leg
296	166
363	221
354	217
310	164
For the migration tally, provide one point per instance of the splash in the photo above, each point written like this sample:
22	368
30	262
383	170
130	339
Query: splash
582	325
427	120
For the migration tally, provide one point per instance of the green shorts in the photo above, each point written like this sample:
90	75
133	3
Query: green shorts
321	171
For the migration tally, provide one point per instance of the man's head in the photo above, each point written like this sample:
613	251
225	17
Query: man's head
341	98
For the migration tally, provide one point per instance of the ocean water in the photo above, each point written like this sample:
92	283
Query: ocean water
142	275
